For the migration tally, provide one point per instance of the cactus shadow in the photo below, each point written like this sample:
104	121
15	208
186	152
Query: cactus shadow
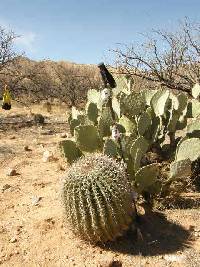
158	236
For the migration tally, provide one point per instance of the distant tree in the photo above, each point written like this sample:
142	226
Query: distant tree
74	83
34	81
170	59
7	53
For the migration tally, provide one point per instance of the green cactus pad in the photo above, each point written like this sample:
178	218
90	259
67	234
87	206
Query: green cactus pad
105	122
92	112
137	161
129	125
124	83
196	91
193	129
140	143
87	138
195	108
159	102
70	151
188	149
155	129
181	123
97	199
69	117
93	96
116	106
75	112
144	122
147	176
73	124
183	100
180	169
173	103
148	94
132	104
174	117
110	148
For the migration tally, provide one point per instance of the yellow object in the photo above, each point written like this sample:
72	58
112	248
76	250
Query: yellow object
6	96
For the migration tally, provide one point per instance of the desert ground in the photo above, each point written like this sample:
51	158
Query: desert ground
33	231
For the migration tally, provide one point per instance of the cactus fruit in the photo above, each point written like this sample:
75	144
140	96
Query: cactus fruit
70	150
97	199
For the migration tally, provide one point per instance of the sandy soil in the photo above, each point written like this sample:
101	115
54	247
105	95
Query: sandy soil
32	227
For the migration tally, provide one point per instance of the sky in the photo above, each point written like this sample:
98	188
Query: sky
84	31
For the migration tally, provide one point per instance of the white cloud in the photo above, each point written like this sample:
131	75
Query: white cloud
26	41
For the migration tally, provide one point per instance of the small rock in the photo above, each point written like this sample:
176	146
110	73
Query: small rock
47	156
26	148
47	132
60	167
174	258
36	200
5	187
113	263
12	137
63	135
13	240
11	172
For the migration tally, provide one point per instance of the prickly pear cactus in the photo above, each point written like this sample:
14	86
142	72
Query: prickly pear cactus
105	122
196	91
97	199
92	112
87	138
147	176
132	104
70	151
159	102
180	169
110	148
188	149
94	96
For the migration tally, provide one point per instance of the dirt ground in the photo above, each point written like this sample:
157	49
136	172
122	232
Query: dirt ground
32	227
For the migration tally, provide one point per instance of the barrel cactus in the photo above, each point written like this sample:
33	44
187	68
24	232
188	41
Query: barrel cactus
97	199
